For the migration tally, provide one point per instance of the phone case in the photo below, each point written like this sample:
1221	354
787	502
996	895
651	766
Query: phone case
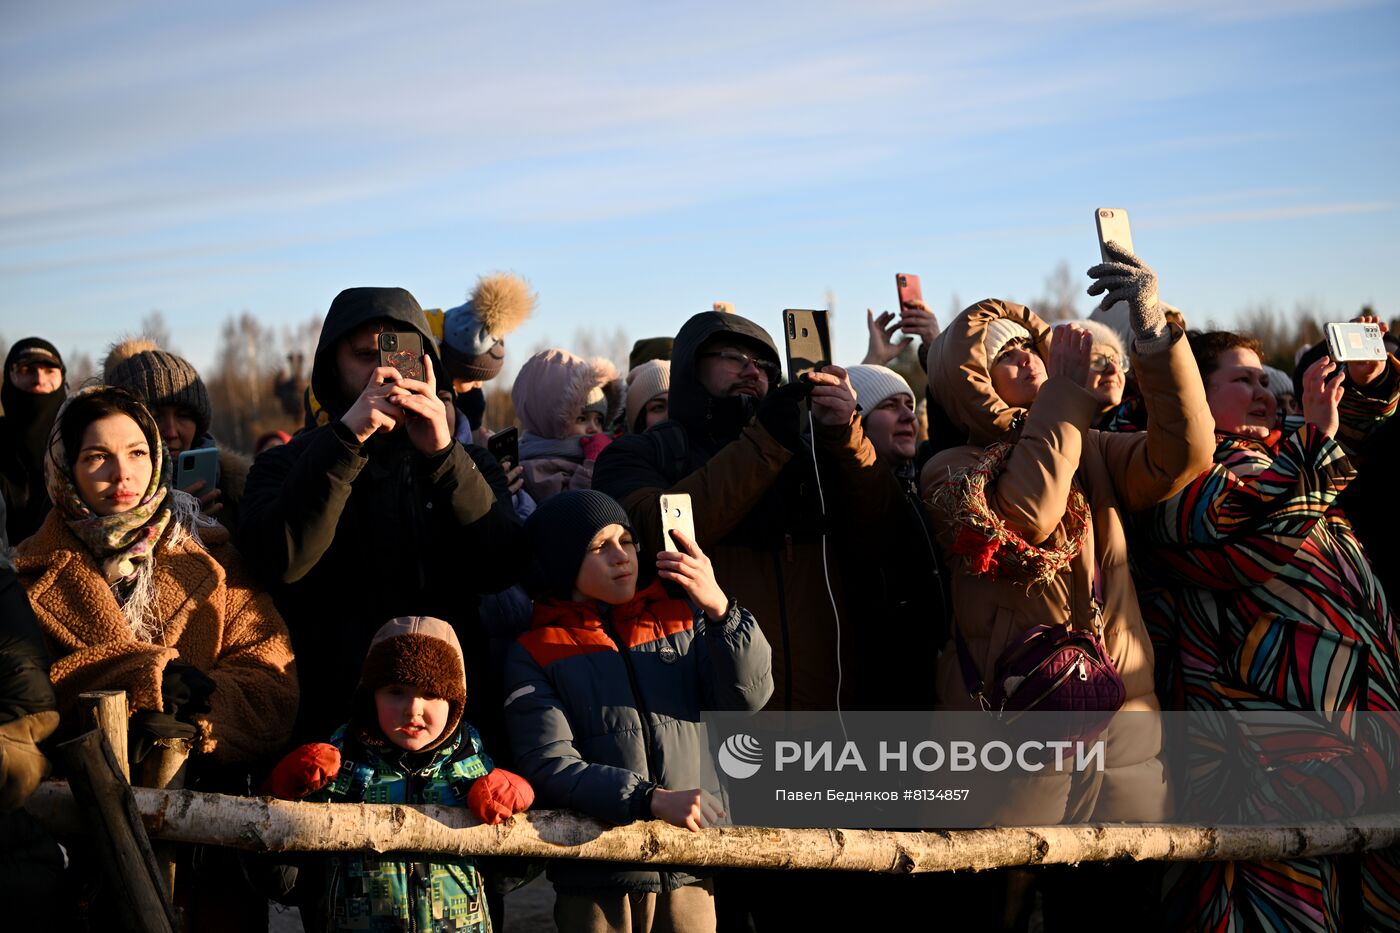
1112	223
194	465
403	350
808	341
909	288
1355	342
505	445
676	515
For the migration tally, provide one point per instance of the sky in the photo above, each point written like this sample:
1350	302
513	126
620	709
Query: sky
638	161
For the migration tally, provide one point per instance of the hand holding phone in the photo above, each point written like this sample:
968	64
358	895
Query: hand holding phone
403	350
505	446
682	562
808	341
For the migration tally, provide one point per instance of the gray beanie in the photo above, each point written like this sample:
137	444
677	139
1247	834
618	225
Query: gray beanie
157	379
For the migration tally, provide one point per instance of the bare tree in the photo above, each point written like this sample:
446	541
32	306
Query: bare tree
1059	303
153	326
242	385
79	369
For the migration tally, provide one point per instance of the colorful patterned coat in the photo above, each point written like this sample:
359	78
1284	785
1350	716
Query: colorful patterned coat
1265	600
394	893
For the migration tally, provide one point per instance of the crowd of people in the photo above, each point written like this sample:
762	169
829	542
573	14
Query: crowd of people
379	609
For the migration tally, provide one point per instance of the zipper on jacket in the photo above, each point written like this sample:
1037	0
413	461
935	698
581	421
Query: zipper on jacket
421	532
412	897
783	620
606	619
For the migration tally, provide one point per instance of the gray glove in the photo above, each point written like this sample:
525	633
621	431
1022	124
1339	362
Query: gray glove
1128	278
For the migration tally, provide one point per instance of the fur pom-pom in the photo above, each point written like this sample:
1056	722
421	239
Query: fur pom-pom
502	301
124	350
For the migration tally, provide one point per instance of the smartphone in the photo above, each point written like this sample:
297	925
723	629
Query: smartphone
808	341
1350	342
193	465
505	446
403	350
676	515
1113	225
908	288
724	307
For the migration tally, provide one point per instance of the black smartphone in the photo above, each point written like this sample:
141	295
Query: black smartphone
403	350
505	446
808	341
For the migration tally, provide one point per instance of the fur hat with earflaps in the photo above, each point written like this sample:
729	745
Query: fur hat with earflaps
419	651
473	334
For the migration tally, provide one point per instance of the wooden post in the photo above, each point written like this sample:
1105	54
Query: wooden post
106	711
164	769
127	862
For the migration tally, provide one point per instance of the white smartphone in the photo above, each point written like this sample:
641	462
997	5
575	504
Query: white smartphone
1355	342
194	465
676	515
1113	225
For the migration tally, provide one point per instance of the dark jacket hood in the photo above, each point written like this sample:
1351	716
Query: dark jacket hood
350	309
689	403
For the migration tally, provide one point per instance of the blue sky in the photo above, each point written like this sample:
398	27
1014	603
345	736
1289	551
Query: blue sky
637	161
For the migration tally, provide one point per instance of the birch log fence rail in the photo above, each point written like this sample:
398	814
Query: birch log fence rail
266	825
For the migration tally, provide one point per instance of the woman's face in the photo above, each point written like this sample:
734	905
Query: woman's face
893	429
1106	383
113	468
1017	374
177	425
1238	394
655	410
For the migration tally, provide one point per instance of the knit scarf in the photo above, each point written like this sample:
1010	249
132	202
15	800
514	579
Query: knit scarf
123	542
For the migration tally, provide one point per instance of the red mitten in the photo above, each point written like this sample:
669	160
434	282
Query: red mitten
498	794
593	445
304	771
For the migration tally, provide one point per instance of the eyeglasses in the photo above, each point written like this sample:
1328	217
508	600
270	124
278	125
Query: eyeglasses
1099	362
743	361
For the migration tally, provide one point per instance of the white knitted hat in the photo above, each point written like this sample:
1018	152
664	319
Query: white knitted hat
874	384
644	383
999	333
1105	336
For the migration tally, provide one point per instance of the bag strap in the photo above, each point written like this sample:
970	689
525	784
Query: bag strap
972	677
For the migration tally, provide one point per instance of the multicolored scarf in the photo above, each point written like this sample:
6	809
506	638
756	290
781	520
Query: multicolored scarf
122	542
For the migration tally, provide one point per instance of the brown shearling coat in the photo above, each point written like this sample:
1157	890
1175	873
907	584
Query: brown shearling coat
212	614
1119	474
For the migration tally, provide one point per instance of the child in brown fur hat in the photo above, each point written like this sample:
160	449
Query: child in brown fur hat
406	742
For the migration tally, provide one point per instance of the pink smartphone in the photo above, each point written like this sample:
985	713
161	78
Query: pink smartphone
908	288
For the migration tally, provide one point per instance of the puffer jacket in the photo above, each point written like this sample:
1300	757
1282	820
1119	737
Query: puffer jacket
212	615
604	706
548	394
367	892
1118	474
758	510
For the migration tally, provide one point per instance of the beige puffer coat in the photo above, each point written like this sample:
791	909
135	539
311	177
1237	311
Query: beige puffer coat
1119	474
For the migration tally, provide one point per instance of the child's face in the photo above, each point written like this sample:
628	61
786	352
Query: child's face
408	718
587	422
609	569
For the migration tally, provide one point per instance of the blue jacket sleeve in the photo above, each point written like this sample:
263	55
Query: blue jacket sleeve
545	754
736	662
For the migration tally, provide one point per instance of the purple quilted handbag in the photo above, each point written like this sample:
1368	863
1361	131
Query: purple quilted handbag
1050	669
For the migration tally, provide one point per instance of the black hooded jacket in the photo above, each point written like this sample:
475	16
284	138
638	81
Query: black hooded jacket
351	535
758	511
24	440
